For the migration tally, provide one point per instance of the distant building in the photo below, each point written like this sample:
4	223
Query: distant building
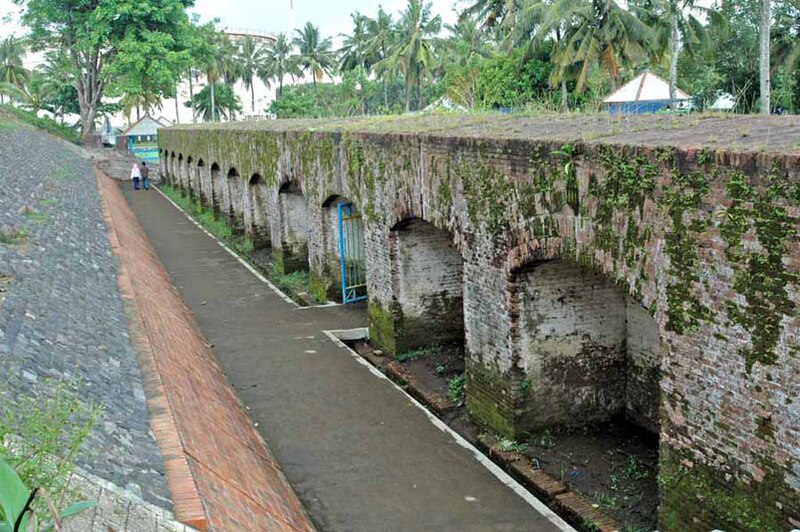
724	102
646	93
141	138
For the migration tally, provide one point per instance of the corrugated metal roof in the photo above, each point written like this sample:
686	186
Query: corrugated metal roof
646	87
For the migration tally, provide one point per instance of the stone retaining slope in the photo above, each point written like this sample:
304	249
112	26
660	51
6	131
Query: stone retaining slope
220	473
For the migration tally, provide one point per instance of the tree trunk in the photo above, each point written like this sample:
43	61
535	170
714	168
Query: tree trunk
138	113
385	97
88	136
252	97
764	61
191	97
177	113
213	103
674	50
408	94
564	95
280	86
613	83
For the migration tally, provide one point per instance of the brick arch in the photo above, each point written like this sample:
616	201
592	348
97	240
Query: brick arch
614	342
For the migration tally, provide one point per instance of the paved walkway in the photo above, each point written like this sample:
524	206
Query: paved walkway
219	471
356	450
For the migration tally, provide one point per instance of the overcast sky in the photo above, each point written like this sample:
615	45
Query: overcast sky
275	16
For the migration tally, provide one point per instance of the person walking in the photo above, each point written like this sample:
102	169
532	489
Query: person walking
145	173
135	175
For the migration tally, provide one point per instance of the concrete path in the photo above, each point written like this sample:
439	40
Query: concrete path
358	452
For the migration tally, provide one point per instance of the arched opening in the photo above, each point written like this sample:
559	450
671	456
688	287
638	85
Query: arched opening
594	350
294	226
202	186
234	201
427	277
181	175
256	222
216	190
589	367
342	271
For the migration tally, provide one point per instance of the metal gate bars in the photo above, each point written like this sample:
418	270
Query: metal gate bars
351	254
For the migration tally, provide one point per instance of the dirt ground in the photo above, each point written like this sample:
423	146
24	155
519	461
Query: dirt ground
613	464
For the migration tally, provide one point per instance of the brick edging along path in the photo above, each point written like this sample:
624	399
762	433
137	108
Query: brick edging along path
219	471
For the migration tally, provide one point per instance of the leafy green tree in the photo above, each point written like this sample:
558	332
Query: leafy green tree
294	103
314	54
111	44
224	104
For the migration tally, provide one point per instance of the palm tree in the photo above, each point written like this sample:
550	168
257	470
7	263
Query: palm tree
252	57
381	37
278	62
413	55
314	54
596	32
764	27
467	41
675	28
12	71
355	51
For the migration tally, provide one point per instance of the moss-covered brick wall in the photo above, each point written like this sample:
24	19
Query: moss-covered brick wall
694	218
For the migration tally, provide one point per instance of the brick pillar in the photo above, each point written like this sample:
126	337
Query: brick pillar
425	304
204	183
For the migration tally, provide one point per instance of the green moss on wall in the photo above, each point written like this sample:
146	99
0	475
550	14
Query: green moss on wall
700	498
685	194
381	326
761	276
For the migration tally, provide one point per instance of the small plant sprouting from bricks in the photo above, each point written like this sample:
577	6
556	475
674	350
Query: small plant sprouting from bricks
13	237
35	216
440	369
545	440
415	354
456	389
589	526
634	469
42	434
509	445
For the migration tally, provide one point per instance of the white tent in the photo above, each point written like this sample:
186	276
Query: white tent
644	93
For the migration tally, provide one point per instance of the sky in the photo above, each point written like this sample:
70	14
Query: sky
275	16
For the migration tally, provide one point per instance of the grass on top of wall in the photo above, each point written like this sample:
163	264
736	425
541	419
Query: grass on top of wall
48	124
296	285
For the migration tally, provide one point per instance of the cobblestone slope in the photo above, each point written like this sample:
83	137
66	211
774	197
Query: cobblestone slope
63	316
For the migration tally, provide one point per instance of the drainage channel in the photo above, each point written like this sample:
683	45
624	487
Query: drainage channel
541	490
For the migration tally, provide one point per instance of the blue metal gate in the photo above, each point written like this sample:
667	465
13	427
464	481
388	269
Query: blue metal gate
351	254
